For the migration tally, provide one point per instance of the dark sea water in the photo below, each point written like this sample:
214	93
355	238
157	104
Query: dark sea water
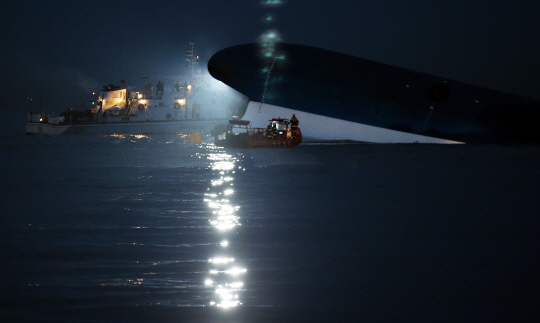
155	229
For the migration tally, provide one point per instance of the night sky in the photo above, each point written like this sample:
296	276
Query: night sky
61	51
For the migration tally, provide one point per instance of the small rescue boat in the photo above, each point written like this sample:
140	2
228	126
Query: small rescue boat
277	134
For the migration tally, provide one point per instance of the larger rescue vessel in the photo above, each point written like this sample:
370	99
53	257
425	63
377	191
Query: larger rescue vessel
182	104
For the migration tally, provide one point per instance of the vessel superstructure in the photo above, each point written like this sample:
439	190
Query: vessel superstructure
162	105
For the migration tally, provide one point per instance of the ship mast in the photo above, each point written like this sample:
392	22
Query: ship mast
193	60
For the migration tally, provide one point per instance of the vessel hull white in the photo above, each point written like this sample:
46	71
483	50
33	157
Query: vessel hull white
320	128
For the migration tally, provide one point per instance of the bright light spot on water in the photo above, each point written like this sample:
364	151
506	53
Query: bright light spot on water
222	226
224	165
221	260
222	161
123	136
236	271
227	295
224	218
227	304
212	204
217	182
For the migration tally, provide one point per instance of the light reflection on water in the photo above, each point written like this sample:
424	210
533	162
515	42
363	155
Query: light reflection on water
225	274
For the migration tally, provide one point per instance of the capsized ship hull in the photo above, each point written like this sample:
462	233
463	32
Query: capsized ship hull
342	97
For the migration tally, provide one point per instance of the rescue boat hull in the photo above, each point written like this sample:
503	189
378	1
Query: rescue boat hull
259	139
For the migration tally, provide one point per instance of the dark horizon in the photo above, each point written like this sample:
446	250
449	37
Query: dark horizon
62	51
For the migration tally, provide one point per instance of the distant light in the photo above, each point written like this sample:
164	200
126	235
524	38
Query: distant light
93	93
270	36
140	96
272	3
224	243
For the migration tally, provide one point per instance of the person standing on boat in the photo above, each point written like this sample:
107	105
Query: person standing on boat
294	124
268	131
274	131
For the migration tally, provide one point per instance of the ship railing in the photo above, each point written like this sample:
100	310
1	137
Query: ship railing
56	120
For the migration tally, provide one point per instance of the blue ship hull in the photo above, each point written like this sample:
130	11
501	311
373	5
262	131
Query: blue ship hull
381	98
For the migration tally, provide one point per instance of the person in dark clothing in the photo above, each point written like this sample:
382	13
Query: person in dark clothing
294	125
294	122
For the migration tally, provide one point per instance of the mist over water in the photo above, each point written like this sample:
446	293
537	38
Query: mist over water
151	228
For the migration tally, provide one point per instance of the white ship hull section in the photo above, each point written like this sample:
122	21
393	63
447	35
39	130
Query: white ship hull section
320	128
